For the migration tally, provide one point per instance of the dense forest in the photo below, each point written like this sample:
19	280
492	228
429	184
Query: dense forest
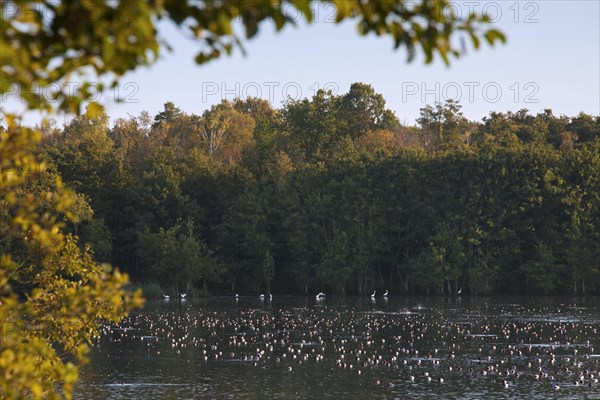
332	193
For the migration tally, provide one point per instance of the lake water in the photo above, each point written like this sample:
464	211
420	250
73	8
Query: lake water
350	348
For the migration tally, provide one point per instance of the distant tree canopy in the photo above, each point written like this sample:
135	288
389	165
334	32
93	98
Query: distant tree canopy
333	193
47	43
53	294
316	127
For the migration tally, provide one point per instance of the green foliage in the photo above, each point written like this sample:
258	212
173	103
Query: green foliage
152	290
97	234
329	126
52	292
225	133
502	205
313	126
177	258
169	115
53	295
46	41
363	111
541	272
443	127
334	270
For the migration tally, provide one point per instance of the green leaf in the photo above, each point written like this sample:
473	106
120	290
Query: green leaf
93	110
493	35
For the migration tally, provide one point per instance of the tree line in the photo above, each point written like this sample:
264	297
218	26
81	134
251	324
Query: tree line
333	193
54	293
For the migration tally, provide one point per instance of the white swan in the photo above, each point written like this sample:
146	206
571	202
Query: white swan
270	296
320	295
166	297
459	291
373	295
262	296
386	293
183	296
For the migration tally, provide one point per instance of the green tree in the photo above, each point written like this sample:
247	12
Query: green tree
313	126
587	127
52	294
45	43
542	273
497	128
178	259
247	246
443	126
334	268
363	110
267	123
169	115
225	133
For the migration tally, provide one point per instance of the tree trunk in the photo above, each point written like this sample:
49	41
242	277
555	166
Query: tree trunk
403	282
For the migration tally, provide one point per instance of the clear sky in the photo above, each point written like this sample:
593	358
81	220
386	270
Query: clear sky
551	60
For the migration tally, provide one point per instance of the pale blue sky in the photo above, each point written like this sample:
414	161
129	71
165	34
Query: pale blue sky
552	63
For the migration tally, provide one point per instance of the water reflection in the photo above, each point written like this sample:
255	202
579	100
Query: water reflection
351	348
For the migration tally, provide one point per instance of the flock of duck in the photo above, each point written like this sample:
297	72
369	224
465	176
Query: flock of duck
319	296
182	296
261	296
502	348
